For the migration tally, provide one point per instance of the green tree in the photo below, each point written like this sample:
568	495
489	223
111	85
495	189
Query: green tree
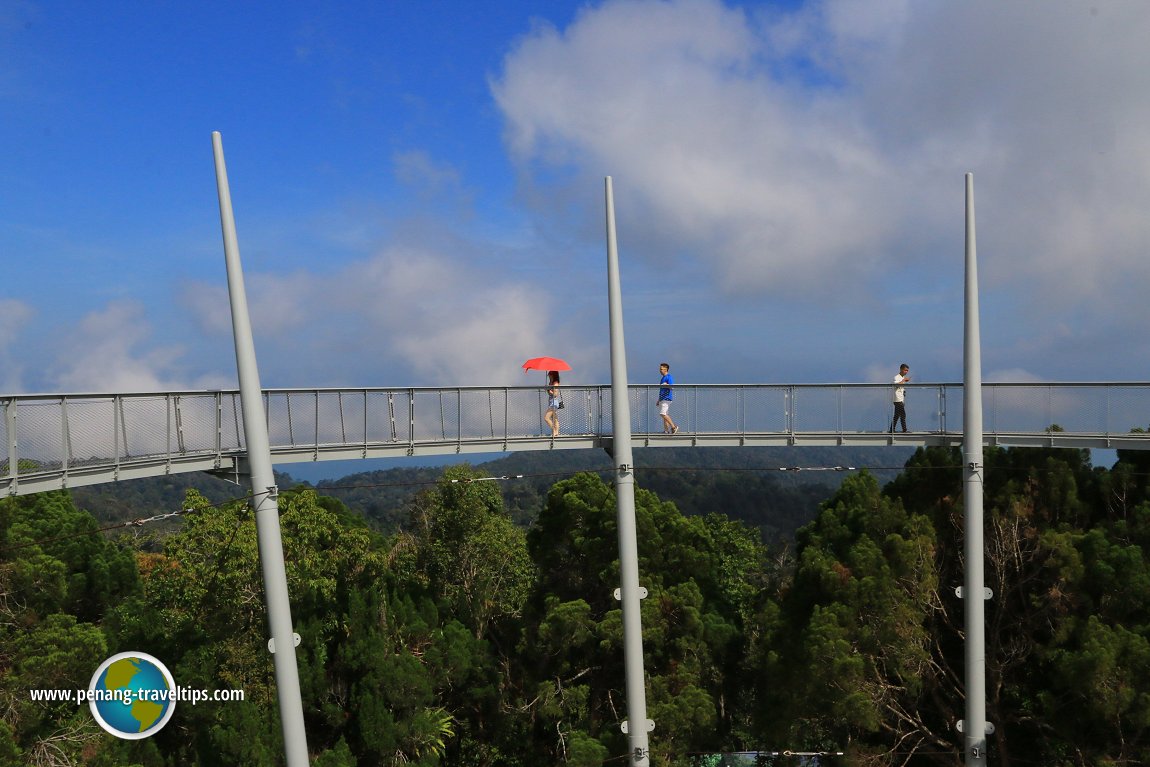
465	573
861	658
468	551
58	576
703	576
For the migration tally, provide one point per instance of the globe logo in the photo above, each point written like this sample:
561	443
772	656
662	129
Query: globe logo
132	695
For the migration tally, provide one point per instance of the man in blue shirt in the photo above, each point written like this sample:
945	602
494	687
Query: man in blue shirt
666	394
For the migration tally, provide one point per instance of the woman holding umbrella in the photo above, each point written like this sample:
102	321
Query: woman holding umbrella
554	401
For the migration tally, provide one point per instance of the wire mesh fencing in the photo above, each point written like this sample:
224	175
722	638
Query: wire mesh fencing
63	435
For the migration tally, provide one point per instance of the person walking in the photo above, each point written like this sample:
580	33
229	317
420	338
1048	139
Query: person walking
554	402
900	397
666	396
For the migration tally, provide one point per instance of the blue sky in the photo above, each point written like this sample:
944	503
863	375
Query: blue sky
418	189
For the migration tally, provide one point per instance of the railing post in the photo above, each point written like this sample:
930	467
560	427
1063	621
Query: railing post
693	419
66	437
791	405
993	409
13	453
1106	417
506	414
116	430
942	408
342	418
287	409
411	419
178	417
648	409
390	415
442	423
588	410
119	406
365	423
840	390
220	429
741	410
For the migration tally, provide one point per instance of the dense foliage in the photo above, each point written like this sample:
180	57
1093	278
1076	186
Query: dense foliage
466	639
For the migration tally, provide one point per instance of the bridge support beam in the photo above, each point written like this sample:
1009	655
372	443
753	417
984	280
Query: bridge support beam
974	727
630	593
264	489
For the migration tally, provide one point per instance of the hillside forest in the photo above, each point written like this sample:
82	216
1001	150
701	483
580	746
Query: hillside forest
469	636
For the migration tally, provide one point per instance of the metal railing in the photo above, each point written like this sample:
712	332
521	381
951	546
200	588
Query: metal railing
56	441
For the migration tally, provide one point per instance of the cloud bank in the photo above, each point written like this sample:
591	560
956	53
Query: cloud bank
795	154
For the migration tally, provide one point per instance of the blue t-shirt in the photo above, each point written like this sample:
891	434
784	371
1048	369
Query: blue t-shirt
666	392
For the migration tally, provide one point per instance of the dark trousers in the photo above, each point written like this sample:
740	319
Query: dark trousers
899	415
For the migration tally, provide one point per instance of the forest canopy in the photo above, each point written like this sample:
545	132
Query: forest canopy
464	638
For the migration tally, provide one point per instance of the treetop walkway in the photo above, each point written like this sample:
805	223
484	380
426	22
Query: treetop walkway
56	441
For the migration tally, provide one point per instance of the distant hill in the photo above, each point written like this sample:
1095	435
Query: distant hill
135	498
776	489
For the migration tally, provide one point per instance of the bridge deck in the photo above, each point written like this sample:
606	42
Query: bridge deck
56	441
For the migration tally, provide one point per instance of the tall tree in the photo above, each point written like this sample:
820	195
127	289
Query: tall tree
461	551
58	576
862	656
700	573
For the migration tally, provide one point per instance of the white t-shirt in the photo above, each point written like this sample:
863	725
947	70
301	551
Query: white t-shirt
899	391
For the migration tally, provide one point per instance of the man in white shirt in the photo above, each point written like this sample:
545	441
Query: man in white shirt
900	397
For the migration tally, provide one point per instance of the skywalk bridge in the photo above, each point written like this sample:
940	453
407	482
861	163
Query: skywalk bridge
57	441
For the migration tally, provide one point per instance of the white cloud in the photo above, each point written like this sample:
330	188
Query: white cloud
704	146
800	154
14	315
450	323
423	317
103	355
416	169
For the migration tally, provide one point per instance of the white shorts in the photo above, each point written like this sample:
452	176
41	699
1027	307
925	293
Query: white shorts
664	406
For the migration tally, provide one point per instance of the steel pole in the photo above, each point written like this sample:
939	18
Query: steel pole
974	727
630	593
264	489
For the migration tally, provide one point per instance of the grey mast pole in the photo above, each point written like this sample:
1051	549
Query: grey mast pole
264	490
630	593
974	727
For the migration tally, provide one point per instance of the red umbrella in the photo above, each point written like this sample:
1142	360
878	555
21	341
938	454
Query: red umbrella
545	363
